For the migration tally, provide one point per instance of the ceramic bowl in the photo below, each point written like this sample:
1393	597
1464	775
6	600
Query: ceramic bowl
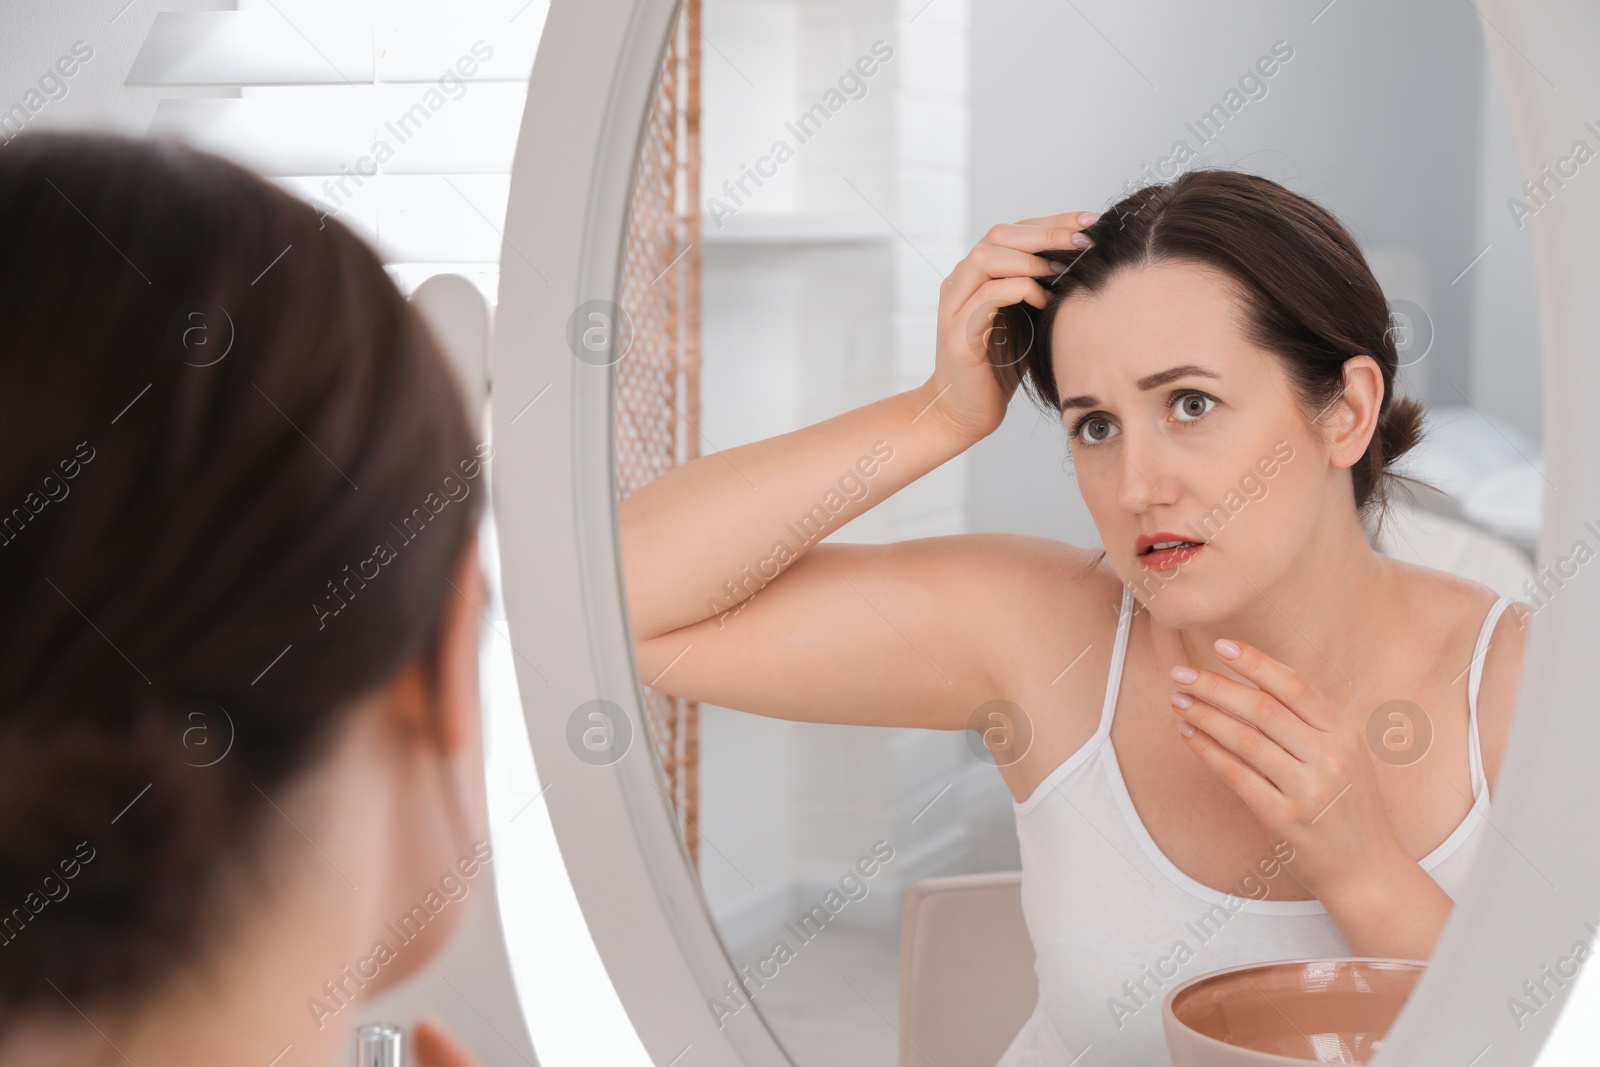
1287	1012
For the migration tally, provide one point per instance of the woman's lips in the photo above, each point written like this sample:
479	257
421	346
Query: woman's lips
1169	558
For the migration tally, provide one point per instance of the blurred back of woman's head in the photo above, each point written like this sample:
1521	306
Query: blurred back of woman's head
237	476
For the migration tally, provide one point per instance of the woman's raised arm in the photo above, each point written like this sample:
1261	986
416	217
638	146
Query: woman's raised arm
730	596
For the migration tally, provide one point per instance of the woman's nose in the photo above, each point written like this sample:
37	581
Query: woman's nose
1143	479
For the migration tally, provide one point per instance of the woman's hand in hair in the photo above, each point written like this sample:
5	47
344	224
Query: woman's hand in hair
433	1046
1003	269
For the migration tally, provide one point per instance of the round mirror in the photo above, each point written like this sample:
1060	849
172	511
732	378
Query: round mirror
904	790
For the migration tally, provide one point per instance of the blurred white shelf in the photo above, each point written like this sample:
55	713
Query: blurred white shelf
413	129
327	45
229	48
399	119
794	228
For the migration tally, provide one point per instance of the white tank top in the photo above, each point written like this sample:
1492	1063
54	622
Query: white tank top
1115	924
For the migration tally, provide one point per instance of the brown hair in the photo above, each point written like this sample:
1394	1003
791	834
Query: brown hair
1306	292
218	409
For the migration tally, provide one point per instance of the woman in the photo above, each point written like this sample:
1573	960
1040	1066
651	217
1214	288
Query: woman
1193	779
238	691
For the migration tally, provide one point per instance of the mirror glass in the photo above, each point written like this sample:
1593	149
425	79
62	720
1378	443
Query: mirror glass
851	156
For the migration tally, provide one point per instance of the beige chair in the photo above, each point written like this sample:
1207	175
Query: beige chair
966	970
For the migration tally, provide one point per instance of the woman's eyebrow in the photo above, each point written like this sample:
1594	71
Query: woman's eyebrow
1152	381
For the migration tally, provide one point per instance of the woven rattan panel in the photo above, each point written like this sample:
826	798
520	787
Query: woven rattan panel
658	378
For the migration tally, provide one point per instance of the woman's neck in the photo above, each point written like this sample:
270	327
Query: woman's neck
1318	618
248	1008
291	923
257	1018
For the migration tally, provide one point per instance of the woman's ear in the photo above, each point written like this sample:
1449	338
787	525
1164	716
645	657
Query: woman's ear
1350	423
458	660
440	710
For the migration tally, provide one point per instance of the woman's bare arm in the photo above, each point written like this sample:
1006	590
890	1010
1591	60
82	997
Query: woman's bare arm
733	600
914	633
707	535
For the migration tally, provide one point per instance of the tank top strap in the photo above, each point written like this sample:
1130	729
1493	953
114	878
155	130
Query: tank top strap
1474	677
1119	652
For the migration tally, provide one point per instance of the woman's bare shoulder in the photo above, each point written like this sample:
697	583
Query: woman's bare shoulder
1034	572
1450	601
1457	608
1004	583
1497	689
1027	597
1041	607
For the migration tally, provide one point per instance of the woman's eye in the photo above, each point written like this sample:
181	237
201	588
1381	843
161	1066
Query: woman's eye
1187	406
1094	429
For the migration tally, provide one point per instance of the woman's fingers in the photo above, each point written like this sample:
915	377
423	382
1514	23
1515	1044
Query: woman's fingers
1068	219
1009	250
1258	792
1035	238
977	314
1002	270
1244	742
1299	727
433	1046
1286	684
988	262
998	261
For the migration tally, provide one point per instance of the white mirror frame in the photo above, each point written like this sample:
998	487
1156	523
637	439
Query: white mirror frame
1537	881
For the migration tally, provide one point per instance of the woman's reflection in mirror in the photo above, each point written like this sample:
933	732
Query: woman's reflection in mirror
1236	690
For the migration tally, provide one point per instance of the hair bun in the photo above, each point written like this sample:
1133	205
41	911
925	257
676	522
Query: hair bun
1399	431
1400	428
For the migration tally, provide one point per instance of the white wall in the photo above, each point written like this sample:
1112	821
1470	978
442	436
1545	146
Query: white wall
1507	364
800	326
